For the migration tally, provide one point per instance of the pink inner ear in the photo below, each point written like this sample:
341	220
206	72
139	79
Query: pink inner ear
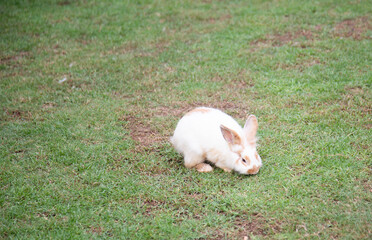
230	135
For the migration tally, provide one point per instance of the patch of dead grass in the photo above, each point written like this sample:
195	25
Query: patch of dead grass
356	99
48	105
280	39
253	225
141	131
256	225
14	58
355	28
355	90
96	230
153	49
18	115
151	206
301	64
221	18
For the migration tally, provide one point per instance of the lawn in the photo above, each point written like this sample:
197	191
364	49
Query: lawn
91	91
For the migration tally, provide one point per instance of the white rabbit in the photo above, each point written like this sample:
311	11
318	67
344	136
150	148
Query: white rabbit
209	134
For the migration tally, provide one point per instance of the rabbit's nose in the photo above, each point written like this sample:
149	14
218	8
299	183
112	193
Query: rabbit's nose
253	170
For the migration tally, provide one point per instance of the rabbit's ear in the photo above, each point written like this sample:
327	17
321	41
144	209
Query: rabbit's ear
250	128
230	135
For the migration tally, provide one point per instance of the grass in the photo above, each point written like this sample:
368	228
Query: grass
90	158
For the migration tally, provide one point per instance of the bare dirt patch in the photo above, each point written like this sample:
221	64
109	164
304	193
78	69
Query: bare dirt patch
300	64
153	49
96	230
256	225
353	28
356	100
48	105
152	205
219	19
18	114
355	90
141	132
278	39
46	215
15	59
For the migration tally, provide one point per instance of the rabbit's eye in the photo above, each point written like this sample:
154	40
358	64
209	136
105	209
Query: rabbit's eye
246	160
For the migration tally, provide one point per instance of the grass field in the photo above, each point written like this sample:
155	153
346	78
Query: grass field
91	91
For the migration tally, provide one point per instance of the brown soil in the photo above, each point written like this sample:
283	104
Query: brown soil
18	115
97	230
285	38
256	225
15	58
141	132
220	19
353	28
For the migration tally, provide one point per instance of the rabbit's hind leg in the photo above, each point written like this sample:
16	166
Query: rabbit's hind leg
196	160
204	167
193	158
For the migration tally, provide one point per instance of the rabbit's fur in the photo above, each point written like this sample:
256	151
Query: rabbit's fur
209	134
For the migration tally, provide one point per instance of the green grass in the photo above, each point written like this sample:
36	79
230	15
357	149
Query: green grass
89	157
